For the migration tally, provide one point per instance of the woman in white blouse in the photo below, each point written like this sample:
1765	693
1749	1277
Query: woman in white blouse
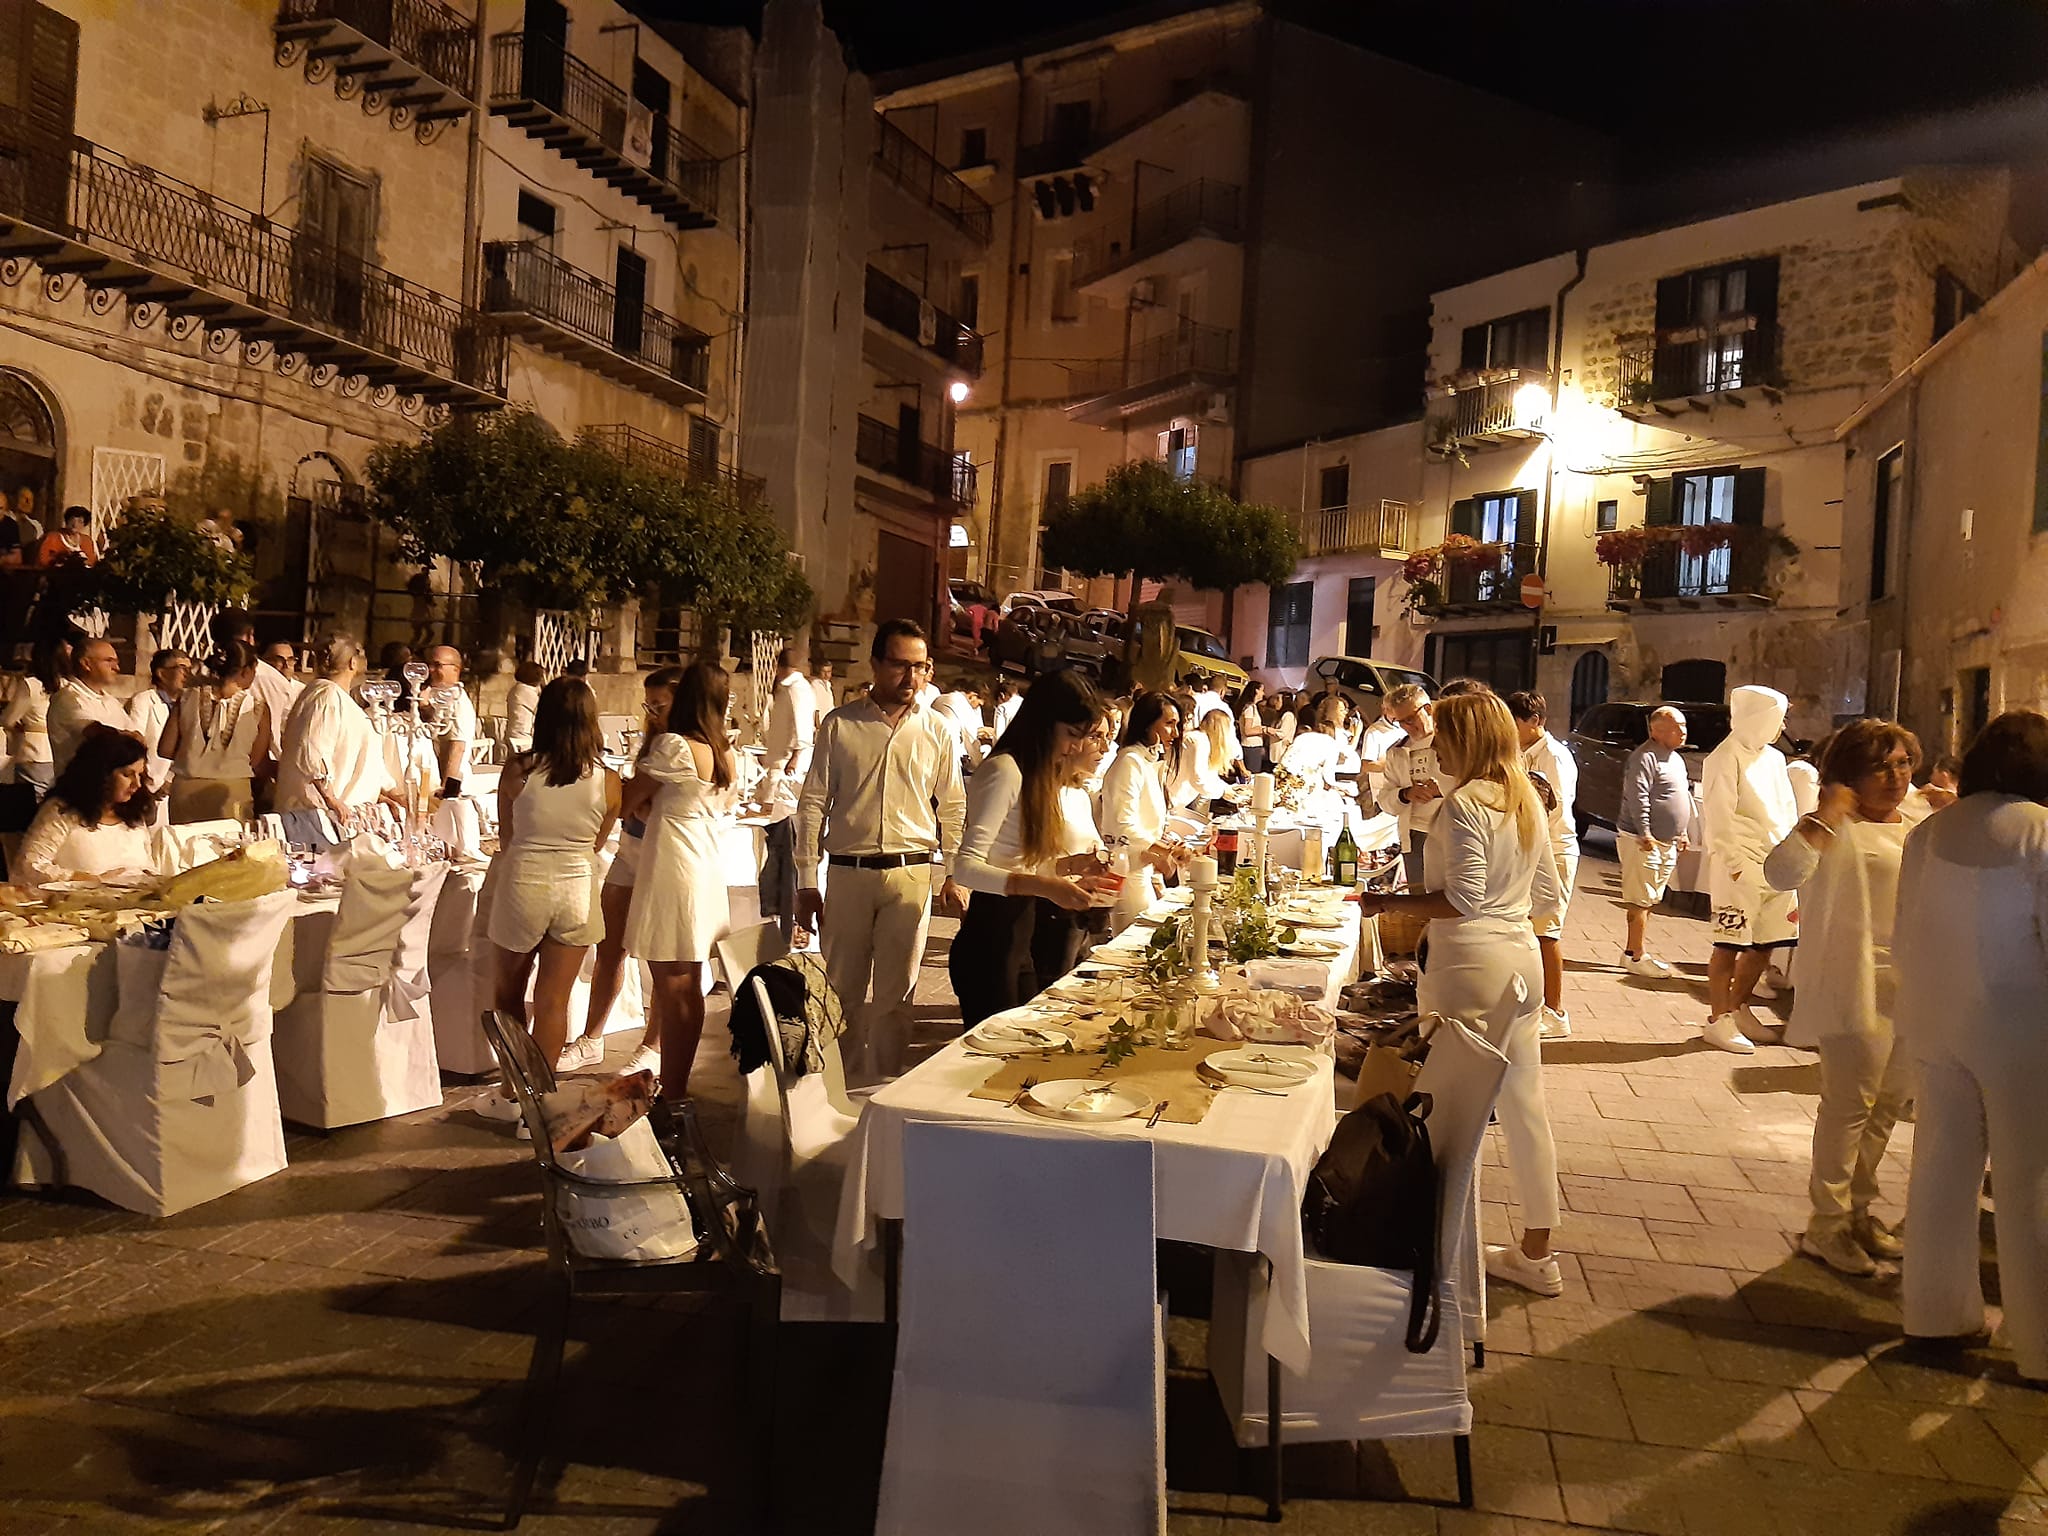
1010	851
96	820
1492	874
1843	857
1133	815
1058	935
217	740
25	717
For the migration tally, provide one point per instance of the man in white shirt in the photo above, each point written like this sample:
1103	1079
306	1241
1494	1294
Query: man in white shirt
928	694
1544	754
1408	787
821	691
86	699
444	690
278	685
148	710
786	759
1008	701
332	759
961	705
883	797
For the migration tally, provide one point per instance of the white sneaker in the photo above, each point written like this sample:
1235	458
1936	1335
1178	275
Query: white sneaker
1725	1034
1508	1262
499	1110
1761	1031
1557	1023
581	1054
1763	991
646	1059
1645	965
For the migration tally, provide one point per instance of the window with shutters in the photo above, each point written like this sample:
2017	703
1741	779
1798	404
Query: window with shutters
973	147
1885	521
1953	302
1360	630
333	242
629	302
704	436
1335	493
1287	624
537	223
1059	484
1506	518
1729	559
1177	446
1062	303
1717	329
1514	341
38	108
970	299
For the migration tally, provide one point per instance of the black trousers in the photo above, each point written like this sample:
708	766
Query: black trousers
991	964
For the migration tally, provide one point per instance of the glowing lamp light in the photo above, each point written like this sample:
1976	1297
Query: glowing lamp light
1532	404
958	390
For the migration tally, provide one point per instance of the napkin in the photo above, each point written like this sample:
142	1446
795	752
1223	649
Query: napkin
1279	1069
1023	1036
33	936
1280	1017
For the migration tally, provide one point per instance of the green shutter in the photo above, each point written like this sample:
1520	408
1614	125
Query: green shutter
1465	517
1659	505
1525	517
1749	497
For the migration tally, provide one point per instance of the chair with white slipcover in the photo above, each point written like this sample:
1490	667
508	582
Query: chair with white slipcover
360	1046
180	1105
1363	1383
1030	1358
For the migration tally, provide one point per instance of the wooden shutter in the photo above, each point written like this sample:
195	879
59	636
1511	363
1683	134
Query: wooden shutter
1674	310
1525	517
1749	497
1472	352
39	107
629	303
543	54
1465	517
1760	357
1660	504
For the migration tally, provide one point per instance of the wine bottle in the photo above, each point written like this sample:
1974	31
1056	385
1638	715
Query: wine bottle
1344	858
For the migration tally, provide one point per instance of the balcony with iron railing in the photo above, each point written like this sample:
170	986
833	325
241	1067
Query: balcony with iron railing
1490	584
1072	152
554	96
1691	367
566	310
631	445
128	231
947	478
1190	356
913	168
899	308
415	59
1487	408
1202	208
1721	565
1375	528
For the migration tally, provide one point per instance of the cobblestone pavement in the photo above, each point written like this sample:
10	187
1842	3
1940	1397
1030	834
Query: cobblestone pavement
339	1349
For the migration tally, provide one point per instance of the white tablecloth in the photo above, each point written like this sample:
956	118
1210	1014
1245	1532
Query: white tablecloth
1234	1181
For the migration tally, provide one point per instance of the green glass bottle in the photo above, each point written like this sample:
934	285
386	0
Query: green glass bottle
1344	858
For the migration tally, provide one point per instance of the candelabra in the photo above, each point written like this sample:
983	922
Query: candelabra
412	727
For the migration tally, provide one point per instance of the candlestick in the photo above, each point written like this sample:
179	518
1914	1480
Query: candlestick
1259	819
1204	883
1202	873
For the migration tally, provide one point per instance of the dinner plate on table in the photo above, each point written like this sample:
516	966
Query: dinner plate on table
1012	1037
1085	1098
1272	1067
1312	949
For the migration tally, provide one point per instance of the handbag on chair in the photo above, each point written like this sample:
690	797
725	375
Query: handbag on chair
1373	1200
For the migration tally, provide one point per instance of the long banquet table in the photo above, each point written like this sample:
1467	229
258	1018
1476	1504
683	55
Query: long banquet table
1235	1180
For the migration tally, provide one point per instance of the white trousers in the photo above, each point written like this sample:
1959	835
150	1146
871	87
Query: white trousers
1492	982
873	937
1989	1102
1865	1084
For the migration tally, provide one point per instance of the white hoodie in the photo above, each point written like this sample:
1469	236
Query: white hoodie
1747	804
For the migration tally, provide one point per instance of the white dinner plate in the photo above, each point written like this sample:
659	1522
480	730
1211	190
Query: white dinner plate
1263	1066
1085	1098
1012	1037
1312	949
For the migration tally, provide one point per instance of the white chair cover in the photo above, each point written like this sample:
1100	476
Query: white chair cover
180	1106
1362	1382
362	1046
201	842
1030	1368
459	976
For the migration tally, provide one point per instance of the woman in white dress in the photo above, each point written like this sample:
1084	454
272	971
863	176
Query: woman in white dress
556	806
217	740
1492	875
97	819
1133	815
658	693
685	787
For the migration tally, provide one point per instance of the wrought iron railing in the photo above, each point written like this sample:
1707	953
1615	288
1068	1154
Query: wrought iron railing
634	446
906	312
1734	352
104	200
949	477
522	278
545	73
1340	530
1495	581
911	166
1188	348
1726	560
426	34
1489	406
1200	207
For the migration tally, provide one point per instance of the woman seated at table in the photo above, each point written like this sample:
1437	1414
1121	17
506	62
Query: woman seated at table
1010	852
218	740
1133	816
96	820
556	805
1492	875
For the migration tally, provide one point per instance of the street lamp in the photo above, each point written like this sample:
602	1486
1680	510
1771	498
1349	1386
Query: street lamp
957	390
1532	405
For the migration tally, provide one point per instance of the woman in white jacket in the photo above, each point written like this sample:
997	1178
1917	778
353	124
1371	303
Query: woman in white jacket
1971	951
1494	875
1843	858
1133	815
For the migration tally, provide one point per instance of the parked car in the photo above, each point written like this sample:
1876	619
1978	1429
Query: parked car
1199	651
1034	639
965	594
1606	734
1064	602
1363	681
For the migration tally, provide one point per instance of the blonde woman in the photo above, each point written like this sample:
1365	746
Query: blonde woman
1492	874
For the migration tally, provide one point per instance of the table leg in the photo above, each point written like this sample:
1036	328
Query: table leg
892	1269
1273	1494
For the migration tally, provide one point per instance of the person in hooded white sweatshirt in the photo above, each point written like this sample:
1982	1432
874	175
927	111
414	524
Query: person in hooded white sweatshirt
1747	808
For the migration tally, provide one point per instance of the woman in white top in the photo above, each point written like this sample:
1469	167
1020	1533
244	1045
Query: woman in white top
1493	873
1971	953
556	806
520	703
1010	851
1058	936
685	788
1252	731
1133	814
96	820
1843	857
658	694
217	739
25	717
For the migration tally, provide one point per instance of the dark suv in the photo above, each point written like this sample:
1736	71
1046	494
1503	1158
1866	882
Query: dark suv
1607	733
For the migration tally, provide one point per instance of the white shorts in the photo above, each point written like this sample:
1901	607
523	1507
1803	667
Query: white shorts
1567	859
545	899
1645	872
1748	914
625	866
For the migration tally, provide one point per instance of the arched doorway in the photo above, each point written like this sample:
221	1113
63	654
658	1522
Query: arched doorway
1589	684
1696	682
28	447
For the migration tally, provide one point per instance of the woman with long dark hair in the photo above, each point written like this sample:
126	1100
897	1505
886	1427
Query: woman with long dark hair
1010	852
1133	816
217	739
96	819
556	805
685	787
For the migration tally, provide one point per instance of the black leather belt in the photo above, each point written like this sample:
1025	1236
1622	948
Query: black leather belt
879	860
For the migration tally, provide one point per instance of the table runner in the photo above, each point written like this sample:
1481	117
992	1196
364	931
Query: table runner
1152	1070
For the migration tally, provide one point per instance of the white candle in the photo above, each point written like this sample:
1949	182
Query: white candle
1202	873
1262	792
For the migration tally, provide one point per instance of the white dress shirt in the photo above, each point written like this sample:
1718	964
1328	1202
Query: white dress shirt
328	737
73	709
792	727
1408	763
877	788
1551	758
148	712
278	693
1006	711
821	693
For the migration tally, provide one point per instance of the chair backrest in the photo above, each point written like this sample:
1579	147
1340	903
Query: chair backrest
377	903
207	995
1462	1075
744	948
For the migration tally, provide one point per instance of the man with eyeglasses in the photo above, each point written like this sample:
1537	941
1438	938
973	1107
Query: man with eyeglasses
1408	787
882	799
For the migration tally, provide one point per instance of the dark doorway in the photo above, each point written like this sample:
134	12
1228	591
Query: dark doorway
1976	691
629	305
1503	659
543	56
1359	630
651	90
1696	682
904	579
1589	683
